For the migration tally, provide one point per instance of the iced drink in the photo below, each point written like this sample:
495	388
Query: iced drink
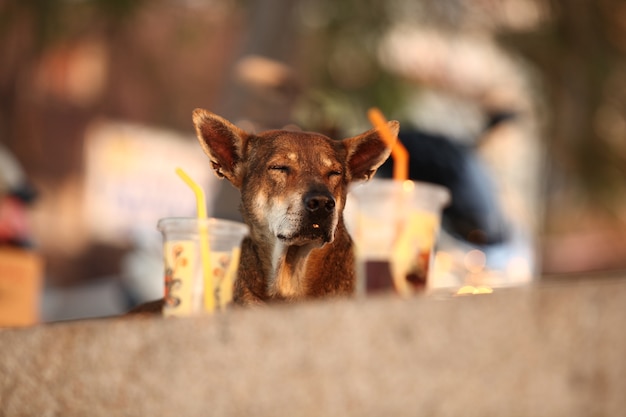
395	226
185	280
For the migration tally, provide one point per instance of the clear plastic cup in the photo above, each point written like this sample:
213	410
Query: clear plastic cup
184	272
395	226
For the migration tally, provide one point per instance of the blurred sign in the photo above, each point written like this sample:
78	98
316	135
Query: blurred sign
130	179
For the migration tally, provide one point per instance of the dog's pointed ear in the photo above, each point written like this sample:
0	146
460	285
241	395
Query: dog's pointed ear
223	142
368	151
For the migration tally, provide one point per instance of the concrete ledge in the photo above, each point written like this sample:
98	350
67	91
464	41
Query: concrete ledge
542	351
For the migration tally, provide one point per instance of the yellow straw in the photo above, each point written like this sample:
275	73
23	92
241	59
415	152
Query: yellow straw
398	152
209	299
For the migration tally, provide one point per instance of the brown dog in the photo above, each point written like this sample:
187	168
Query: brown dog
293	191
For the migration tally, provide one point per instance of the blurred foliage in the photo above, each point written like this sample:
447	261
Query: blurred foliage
346	75
50	19
580	53
29	28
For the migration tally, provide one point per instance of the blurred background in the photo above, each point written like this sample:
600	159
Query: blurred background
518	106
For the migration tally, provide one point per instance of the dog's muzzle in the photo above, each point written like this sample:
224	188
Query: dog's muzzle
315	221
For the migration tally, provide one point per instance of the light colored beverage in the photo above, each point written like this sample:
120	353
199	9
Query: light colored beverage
185	281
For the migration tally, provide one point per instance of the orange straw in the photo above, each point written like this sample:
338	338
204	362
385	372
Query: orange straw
398	152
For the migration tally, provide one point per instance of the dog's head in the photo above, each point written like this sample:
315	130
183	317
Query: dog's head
293	184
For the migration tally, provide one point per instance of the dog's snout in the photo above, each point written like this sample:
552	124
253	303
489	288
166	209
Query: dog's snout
315	201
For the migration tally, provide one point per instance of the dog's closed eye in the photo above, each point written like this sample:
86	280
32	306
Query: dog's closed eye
332	174
280	168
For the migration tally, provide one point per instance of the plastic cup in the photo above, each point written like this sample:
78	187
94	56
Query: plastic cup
395	226
183	261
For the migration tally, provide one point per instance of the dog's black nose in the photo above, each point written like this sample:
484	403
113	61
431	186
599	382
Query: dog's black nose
315	201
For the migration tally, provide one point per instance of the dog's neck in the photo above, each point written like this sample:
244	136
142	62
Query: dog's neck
283	266
288	270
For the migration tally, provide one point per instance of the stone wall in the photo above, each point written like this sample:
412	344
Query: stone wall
538	351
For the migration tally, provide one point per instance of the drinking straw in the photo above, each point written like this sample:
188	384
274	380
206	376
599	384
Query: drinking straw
209	300
398	152
400	173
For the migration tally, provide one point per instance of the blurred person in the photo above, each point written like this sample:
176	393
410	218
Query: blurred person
16	195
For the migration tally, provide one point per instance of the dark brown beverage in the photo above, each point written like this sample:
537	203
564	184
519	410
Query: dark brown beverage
379	279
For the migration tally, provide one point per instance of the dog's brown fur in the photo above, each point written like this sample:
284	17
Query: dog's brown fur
293	191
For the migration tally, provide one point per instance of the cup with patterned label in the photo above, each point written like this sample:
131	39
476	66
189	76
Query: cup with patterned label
201	257
395	225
